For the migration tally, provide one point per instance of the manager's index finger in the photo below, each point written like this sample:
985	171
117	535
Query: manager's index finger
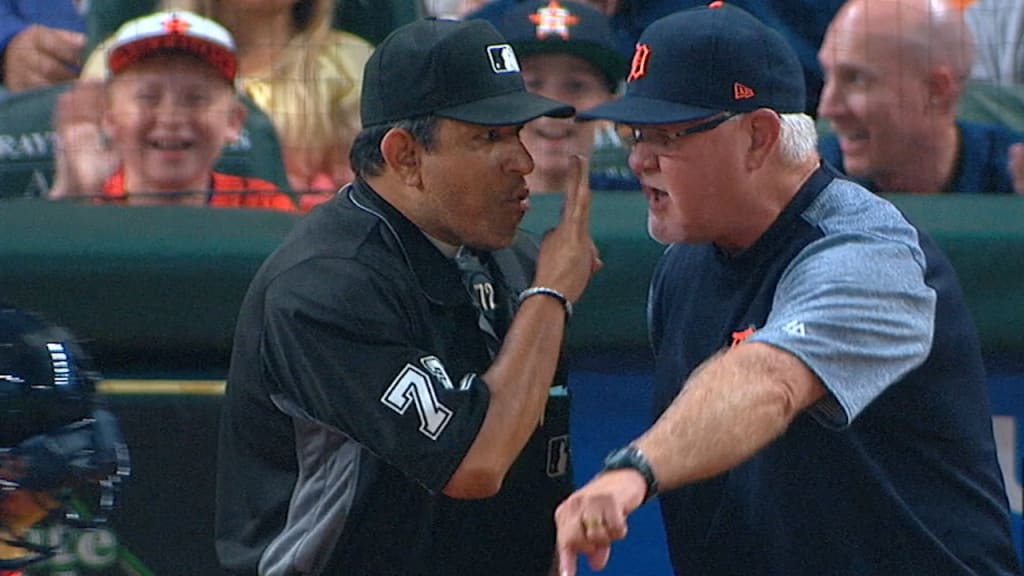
566	561
577	195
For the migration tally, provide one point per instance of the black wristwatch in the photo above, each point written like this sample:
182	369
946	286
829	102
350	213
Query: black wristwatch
631	457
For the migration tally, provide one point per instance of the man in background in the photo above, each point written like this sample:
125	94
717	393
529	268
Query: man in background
894	74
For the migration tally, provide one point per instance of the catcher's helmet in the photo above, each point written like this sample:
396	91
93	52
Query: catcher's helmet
46	379
54	435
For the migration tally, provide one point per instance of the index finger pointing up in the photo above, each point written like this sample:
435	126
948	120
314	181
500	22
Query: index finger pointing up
577	195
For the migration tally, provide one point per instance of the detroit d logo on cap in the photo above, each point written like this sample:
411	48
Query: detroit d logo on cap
503	59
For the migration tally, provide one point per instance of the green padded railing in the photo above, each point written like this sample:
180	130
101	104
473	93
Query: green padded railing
160	287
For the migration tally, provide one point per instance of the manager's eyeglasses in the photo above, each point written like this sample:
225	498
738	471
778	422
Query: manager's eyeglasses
661	141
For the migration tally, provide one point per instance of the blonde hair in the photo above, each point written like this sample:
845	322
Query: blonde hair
303	90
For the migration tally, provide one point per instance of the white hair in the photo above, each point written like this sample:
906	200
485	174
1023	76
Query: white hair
798	138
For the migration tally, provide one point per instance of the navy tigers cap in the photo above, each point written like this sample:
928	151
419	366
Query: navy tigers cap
463	70
553	26
701	61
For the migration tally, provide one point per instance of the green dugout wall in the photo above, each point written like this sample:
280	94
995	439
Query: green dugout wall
155	292
160	286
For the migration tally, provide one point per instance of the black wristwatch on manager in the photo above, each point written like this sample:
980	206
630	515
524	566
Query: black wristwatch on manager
631	457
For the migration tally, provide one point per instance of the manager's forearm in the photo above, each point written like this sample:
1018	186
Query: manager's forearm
733	405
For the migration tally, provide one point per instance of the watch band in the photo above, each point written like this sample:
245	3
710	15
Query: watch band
631	457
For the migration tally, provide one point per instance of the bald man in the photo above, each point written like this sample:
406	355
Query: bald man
894	72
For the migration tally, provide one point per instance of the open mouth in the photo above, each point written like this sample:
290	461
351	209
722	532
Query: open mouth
170	145
521	198
655	194
849	140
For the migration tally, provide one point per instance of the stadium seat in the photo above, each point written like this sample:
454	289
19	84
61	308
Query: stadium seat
103	18
374	19
994	104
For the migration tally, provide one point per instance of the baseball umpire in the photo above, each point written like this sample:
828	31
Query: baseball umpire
395	402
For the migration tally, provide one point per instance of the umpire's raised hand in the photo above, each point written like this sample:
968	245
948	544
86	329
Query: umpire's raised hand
568	257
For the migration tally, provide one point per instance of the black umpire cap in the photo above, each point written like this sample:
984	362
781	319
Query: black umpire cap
463	70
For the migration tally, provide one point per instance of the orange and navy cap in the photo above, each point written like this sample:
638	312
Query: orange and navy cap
702	61
564	27
463	70
174	30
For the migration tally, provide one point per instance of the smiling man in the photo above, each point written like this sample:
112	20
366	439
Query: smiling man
894	73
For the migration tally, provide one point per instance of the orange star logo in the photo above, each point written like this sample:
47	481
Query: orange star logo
176	25
553	19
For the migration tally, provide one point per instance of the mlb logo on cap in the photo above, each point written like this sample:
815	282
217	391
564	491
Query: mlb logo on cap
461	70
562	27
503	59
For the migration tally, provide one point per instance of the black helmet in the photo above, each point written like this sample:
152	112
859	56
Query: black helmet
46	379
54	435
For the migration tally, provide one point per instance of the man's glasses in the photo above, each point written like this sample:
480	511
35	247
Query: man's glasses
661	141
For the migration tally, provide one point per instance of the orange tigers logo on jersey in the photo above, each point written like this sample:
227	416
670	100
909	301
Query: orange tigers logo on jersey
741	335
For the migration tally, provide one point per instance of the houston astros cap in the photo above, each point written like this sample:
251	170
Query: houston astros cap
176	30
553	26
702	61
463	70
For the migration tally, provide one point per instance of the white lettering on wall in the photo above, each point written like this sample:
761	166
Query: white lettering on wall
33	145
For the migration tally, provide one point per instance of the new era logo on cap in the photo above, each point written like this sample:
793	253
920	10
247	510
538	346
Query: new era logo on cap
742	91
503	59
